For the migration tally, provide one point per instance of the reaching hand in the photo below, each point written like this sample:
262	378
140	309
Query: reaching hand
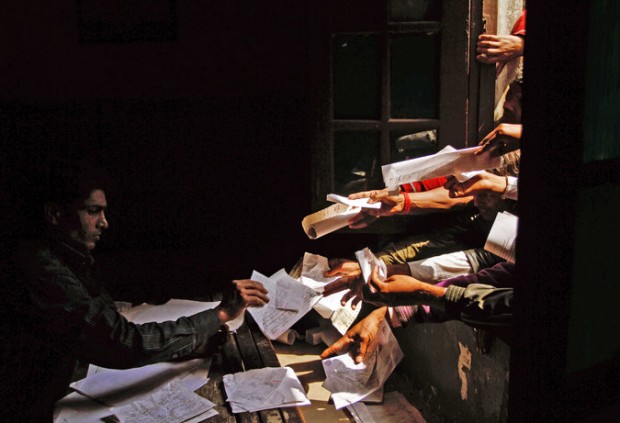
350	278
504	138
499	49
402	290
481	182
390	205
359	337
243	293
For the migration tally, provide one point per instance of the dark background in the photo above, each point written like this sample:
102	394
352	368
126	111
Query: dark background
200	112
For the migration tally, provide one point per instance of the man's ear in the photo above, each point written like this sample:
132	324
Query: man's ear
53	212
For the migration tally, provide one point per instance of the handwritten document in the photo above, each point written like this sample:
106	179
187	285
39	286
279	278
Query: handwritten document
446	162
313	268
271	320
170	404
502	239
262	389
328	220
350	382
334	217
289	294
394	409
368	262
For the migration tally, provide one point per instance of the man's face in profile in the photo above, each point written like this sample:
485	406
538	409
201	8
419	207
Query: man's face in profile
85	221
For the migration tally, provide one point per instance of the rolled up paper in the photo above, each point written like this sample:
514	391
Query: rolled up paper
288	337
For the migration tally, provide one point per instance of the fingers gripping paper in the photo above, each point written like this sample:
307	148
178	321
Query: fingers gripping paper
334	217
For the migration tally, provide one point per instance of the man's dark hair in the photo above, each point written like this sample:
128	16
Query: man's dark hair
68	182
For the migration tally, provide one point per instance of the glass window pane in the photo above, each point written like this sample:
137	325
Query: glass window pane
602	102
408	145
356	161
414	78
415	10
356	77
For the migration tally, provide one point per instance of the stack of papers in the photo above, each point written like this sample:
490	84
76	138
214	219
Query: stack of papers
155	389
263	389
171	403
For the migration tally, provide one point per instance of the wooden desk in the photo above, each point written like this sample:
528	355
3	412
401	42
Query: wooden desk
248	349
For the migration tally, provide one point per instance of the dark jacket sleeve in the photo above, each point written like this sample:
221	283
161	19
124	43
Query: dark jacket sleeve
72	317
484	298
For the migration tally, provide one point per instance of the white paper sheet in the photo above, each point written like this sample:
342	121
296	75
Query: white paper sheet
171	310
350	382
446	162
116	387
76	408
313	268
172	403
394	409
502	239
263	389
360	202
368	261
272	321
328	220
289	294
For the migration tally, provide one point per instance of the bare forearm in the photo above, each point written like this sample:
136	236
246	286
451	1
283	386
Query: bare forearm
434	200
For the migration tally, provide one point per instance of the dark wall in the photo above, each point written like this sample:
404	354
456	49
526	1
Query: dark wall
204	130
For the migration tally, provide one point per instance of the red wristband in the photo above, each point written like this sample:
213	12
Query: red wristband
407	206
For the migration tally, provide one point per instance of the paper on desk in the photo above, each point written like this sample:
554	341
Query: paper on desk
394	409
313	268
117	387
446	162
171	310
172	403
76	408
272	321
262	389
350	382
502	238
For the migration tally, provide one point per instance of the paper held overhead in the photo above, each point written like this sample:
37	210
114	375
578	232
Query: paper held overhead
446	162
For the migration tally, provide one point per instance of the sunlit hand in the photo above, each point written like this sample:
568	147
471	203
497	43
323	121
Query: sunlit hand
481	182
242	293
401	290
503	139
350	278
359	337
390	205
499	49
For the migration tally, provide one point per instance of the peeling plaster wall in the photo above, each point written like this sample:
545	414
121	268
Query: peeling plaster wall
455	382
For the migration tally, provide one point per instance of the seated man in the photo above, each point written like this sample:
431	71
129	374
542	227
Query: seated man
56	313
